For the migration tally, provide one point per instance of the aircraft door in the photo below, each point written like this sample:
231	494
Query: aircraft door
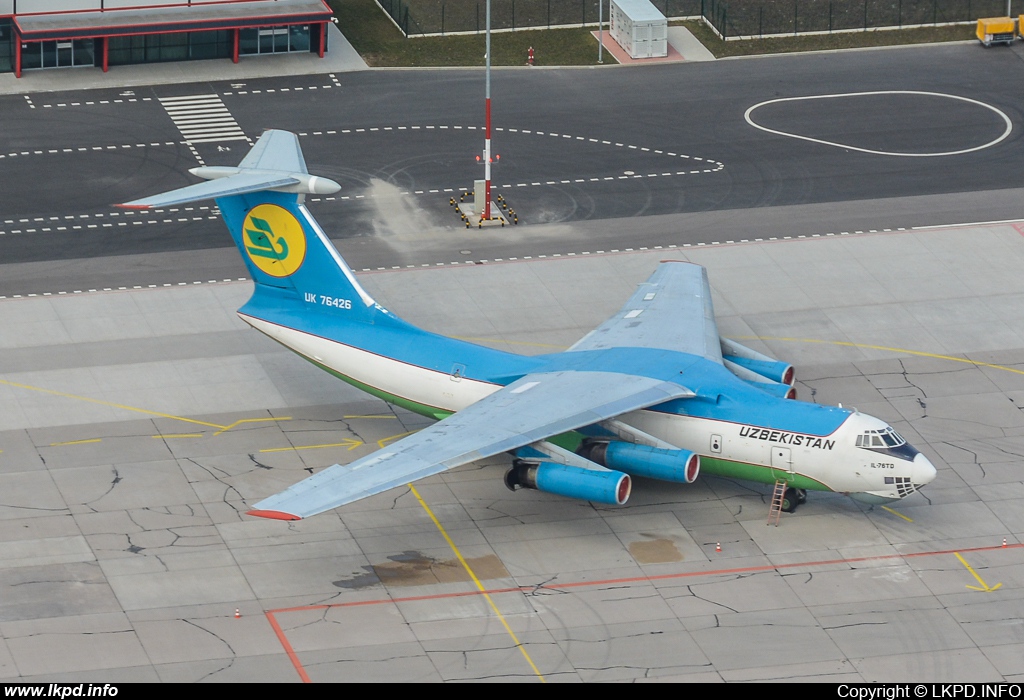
782	462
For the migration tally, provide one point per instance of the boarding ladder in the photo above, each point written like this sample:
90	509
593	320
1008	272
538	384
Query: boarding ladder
778	496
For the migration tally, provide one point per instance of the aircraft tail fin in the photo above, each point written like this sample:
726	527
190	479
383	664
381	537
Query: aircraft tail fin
288	255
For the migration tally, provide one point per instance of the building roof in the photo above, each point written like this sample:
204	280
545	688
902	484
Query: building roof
640	10
170	18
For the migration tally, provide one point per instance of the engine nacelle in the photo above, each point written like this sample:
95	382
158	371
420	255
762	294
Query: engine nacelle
783	391
609	487
781	372
680	466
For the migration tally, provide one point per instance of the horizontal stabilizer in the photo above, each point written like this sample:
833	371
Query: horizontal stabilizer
242	183
274	163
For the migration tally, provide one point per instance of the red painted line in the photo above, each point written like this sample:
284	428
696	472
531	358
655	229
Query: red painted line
605	582
288	647
1020	228
407	599
772	567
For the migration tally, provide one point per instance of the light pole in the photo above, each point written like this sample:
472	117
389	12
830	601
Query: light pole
600	31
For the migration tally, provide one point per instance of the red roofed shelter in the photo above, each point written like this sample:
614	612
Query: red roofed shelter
101	33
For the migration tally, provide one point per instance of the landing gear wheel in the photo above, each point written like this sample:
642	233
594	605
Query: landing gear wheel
790	500
801	495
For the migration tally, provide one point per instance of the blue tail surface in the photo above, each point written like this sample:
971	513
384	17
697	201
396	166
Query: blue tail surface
288	255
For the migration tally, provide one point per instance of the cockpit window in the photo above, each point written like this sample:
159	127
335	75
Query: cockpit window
886	437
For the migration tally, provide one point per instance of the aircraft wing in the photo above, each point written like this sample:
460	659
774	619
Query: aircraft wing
672	310
532	408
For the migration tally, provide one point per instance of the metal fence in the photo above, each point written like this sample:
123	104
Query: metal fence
729	18
460	16
755	18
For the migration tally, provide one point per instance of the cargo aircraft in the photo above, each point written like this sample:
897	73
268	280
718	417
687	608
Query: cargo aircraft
652	392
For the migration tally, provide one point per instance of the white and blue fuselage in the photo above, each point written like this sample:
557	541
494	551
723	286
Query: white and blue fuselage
737	429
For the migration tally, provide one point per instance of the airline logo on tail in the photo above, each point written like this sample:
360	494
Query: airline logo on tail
274	240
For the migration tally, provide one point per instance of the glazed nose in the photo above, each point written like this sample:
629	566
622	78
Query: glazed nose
922	472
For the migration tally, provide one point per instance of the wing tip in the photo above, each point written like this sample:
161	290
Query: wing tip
273	515
132	206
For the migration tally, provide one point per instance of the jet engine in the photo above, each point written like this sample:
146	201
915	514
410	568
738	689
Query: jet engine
780	372
603	486
643	460
783	391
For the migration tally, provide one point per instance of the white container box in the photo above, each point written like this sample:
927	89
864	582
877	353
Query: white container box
639	28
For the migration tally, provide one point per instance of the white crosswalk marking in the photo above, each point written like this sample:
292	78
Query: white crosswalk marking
202	118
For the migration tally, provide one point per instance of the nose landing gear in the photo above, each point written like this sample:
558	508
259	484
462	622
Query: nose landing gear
785	499
793	498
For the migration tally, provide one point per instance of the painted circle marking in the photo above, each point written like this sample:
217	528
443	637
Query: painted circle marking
1006	119
274	240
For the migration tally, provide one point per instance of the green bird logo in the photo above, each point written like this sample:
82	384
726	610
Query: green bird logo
263	243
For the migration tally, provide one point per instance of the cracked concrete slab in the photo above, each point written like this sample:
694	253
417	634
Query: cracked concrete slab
68	644
939	666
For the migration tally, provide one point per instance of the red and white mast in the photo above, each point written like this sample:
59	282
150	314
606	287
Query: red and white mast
487	132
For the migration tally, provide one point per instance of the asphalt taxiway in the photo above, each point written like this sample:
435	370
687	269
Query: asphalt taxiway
140	424
828	142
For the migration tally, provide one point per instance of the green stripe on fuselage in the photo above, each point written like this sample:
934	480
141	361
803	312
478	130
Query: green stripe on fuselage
757	472
420	408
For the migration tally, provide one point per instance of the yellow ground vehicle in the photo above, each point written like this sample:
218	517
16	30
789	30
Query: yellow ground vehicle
996	30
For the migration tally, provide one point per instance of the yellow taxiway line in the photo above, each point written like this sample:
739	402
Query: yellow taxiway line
76	442
984	586
883	348
479	586
898	514
348	443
